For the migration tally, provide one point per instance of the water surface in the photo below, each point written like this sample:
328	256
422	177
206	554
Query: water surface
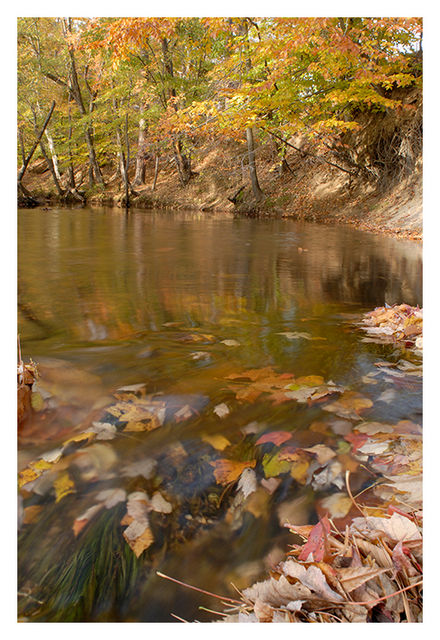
108	298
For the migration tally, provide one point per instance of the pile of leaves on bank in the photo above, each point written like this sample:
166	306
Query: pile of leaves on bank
344	568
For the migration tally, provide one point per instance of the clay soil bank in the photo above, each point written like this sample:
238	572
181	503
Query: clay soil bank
304	188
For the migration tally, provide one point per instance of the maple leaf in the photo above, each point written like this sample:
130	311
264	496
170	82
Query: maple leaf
226	471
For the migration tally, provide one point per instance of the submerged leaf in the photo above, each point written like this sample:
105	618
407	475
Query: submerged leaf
226	471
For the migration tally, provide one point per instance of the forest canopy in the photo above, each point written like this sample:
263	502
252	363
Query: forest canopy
127	89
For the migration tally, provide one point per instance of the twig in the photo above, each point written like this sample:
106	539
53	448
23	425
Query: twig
177	618
347	482
218	613
208	593
390	595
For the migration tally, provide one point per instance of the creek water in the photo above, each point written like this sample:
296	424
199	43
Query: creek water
180	301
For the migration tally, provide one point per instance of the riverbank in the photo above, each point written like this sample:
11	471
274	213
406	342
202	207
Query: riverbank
301	187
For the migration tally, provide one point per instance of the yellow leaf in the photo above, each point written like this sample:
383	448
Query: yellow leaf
63	485
87	435
217	441
310	381
27	475
40	465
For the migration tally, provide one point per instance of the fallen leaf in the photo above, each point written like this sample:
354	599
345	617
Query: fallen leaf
111	497
185	413
277	592
371	428
145	467
81	521
221	410
353	577
349	404
397	528
217	441
103	430
138	533
316	546
247	483
312	578
159	504
322	453
275	437
273	465
226	471
337	505
63	485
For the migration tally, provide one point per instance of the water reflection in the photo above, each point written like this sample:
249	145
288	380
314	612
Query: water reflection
97	275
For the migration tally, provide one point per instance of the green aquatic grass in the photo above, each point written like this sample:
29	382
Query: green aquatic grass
87	579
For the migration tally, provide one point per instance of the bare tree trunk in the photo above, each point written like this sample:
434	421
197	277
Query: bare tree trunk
50	164
70	170
35	145
139	176
21	139
258	194
156	172
53	154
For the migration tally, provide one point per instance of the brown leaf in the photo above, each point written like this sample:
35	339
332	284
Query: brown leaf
352	578
226	471
312	577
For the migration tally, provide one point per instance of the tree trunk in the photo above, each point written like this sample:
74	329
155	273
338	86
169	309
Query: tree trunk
183	163
139	176
36	143
258	194
95	173
50	164
156	172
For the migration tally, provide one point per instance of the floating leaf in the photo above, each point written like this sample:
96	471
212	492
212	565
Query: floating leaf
349	404
275	437
226	471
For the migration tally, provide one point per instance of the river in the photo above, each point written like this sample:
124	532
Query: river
183	302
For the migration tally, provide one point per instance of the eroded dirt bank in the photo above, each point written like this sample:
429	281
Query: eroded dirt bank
302	187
